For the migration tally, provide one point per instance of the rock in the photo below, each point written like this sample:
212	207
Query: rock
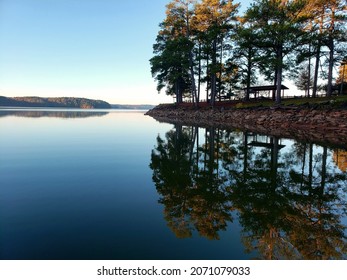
294	123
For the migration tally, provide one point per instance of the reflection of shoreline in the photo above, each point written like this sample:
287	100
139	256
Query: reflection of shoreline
52	114
288	198
334	138
304	124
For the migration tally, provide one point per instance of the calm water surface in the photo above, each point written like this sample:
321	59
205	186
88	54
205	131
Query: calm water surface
119	185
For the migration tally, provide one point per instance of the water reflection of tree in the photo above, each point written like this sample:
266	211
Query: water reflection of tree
172	176
316	194
287	213
257	193
65	114
190	188
289	203
210	203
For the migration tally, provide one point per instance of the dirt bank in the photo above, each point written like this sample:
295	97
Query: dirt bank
328	126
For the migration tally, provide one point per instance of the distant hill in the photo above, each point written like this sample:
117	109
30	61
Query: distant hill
132	107
59	102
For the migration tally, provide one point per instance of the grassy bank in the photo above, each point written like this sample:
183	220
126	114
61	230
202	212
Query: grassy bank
334	102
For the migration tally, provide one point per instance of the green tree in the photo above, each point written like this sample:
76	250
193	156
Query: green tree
278	31
171	65
246	55
214	19
325	25
183	11
314	11
336	33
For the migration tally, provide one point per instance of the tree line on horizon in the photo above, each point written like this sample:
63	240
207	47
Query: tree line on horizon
207	45
62	102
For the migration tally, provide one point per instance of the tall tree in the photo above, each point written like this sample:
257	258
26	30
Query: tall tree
172	63
183	11
169	66
214	18
278	30
314	11
336	33
326	26
246	55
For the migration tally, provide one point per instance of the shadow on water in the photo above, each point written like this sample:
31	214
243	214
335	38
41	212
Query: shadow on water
65	114
289	197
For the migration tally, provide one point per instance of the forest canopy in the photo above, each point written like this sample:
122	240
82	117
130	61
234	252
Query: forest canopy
206	50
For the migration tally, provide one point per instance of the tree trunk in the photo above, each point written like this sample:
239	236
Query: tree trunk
191	64
331	52
249	73
309	71
179	97
279	75
330	68
192	78
178	93
275	85
316	70
318	51
213	73
207	80
199	72
220	71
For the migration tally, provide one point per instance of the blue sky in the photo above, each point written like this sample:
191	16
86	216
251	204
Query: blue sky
97	49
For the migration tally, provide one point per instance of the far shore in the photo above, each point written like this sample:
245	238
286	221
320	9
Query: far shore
65	103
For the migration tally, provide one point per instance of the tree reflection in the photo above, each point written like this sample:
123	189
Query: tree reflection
53	113
289	198
210	203
257	194
171	166
189	183
317	195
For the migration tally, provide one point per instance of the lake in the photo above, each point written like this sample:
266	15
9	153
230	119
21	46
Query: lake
86	184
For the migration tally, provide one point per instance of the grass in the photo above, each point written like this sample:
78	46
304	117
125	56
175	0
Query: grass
333	102
319	102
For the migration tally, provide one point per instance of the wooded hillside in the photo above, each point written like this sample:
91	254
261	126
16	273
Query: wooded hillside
64	102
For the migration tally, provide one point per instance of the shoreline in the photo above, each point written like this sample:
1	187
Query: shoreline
328	126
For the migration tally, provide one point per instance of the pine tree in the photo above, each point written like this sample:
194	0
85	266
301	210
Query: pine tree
171	65
246	55
278	31
326	25
336	33
214	19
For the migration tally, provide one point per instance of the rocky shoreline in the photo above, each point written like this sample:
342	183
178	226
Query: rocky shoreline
321	126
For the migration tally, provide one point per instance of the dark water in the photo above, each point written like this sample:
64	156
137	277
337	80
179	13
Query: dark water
119	185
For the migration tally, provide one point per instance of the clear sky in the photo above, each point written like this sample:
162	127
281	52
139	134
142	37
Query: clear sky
97	49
